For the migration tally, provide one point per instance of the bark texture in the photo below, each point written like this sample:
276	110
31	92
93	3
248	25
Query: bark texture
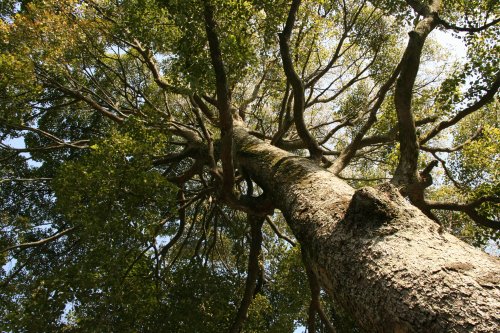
379	257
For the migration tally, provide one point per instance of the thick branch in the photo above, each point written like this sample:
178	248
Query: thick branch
470	209
198	102
406	171
390	136
173	158
418	7
223	98
296	83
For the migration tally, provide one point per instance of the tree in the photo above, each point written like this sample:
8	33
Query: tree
160	136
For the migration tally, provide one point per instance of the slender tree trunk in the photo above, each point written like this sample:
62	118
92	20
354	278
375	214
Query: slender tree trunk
387	264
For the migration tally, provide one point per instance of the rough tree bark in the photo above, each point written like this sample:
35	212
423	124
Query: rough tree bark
388	265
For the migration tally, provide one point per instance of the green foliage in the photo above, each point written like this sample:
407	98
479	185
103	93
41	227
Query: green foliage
476	168
90	108
115	180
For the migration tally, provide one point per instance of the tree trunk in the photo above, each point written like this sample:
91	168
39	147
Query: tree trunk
388	265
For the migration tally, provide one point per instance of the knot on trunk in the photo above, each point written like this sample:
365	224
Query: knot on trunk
373	208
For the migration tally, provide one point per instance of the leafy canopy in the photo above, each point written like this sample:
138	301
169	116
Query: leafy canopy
113	149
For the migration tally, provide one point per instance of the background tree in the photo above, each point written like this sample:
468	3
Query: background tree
143	156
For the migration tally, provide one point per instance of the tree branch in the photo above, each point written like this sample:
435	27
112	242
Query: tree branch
90	102
336	55
223	99
149	60
198	102
451	26
39	242
207	135
253	271
349	152
297	84
278	232
447	171
315	304
452	149
41	179
470	209
487	98
418	7
182	223
406	171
